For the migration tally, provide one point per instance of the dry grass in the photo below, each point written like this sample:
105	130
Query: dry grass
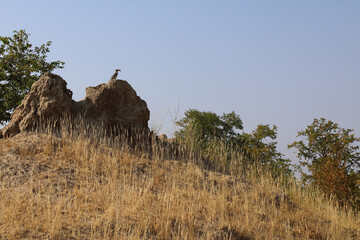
77	188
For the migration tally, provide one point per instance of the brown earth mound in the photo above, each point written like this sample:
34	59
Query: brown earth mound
114	104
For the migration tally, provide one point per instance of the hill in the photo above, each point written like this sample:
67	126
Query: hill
77	187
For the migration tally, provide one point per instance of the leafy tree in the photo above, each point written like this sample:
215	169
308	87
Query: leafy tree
219	136
203	127
20	66
260	147
332	160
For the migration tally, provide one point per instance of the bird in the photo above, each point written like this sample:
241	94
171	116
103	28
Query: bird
115	74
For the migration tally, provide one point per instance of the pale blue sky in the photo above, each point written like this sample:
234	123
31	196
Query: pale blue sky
272	62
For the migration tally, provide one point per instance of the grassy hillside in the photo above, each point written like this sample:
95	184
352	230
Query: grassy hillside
76	187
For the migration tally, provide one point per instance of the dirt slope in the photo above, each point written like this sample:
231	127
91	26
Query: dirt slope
76	188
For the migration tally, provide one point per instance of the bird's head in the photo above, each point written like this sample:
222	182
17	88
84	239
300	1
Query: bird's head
117	70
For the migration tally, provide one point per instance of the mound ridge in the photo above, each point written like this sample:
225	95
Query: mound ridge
114	104
79	188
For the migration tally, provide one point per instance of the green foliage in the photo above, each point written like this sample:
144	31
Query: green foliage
20	66
333	161
203	127
219	138
260	147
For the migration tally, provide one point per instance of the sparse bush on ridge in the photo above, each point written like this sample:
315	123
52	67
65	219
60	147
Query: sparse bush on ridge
218	139
329	154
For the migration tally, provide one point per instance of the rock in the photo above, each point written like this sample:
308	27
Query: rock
48	98
114	104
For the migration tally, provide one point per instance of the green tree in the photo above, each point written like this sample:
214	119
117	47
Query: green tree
218	136
202	127
332	160
20	66
260	147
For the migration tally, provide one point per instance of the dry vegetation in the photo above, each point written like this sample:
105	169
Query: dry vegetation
81	188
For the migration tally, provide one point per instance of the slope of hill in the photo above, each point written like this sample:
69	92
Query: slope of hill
82	188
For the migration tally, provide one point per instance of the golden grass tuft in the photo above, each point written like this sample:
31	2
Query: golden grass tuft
75	187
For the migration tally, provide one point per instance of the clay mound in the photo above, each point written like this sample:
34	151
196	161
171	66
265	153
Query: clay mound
114	104
48	98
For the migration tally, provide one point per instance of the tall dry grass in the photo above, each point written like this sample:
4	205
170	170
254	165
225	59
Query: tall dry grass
80	184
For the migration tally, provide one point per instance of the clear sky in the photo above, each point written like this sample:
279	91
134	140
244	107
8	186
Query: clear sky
272	62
